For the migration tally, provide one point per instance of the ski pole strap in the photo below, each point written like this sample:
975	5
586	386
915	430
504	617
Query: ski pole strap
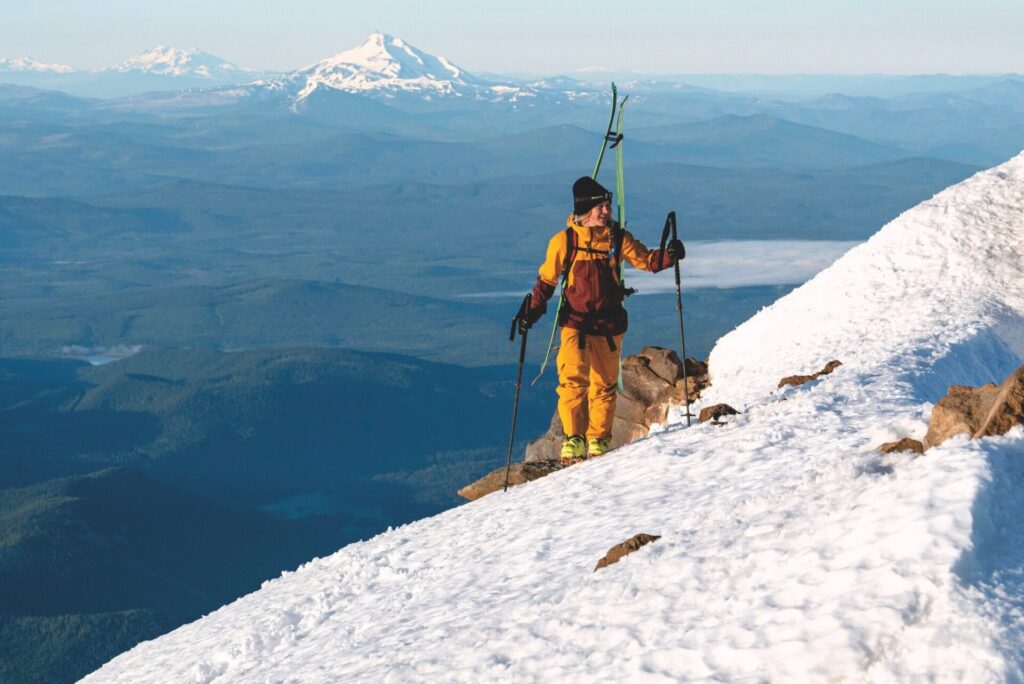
570	255
614	139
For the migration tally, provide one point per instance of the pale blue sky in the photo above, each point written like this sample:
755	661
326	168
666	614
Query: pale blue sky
546	36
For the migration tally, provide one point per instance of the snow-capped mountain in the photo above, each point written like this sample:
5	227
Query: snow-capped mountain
388	68
170	61
162	69
790	549
29	64
388	64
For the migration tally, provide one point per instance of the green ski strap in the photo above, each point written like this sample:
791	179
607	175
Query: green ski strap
608	138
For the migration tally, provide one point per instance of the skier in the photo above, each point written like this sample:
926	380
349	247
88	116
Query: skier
586	256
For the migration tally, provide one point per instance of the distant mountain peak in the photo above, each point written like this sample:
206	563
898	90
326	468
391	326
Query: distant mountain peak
30	64
170	61
385	63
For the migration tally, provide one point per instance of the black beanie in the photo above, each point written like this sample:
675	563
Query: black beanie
587	193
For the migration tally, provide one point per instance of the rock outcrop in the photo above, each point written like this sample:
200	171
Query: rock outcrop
619	551
797	380
518	474
716	412
905	444
978	411
652	383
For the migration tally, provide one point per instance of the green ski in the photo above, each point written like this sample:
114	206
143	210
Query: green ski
608	138
620	204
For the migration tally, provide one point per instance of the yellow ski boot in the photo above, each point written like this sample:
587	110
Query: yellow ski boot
574	450
597	446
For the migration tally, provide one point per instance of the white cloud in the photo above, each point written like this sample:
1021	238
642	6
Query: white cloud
740	263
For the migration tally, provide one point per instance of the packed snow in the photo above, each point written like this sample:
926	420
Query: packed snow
790	550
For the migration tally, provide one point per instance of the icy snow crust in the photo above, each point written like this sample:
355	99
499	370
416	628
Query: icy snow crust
791	550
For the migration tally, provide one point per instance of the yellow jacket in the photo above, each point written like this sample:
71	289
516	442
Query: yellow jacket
593	293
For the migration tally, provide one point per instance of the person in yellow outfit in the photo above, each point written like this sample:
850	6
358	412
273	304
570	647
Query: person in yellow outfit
586	257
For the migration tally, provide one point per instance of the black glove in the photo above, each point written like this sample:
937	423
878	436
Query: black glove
533	315
676	250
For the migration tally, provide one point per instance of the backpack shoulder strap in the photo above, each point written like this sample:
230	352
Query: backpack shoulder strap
615	253
570	255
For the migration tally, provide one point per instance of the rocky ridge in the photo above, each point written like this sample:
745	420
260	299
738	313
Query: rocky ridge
652	383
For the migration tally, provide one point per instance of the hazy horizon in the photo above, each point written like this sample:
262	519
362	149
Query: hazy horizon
745	38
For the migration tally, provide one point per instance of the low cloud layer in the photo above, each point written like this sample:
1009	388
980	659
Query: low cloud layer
740	263
728	263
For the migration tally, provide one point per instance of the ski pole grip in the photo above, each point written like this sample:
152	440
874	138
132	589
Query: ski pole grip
668	224
671	220
524	310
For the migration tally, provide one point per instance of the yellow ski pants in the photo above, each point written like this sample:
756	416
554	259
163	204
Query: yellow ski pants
588	380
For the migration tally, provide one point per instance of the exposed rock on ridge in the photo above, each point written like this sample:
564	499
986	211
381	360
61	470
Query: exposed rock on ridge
517	474
797	380
620	551
652	383
978	411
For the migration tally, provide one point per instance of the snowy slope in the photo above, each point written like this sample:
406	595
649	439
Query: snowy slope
791	550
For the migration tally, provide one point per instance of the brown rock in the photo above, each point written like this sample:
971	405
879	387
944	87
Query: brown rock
629	408
695	368
518	474
664	362
905	444
796	380
979	411
624	432
830	366
696	385
646	399
656	413
548	446
963	409
640	381
617	552
1007	409
715	412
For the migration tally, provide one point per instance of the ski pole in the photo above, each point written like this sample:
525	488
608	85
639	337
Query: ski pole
524	311
670	226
